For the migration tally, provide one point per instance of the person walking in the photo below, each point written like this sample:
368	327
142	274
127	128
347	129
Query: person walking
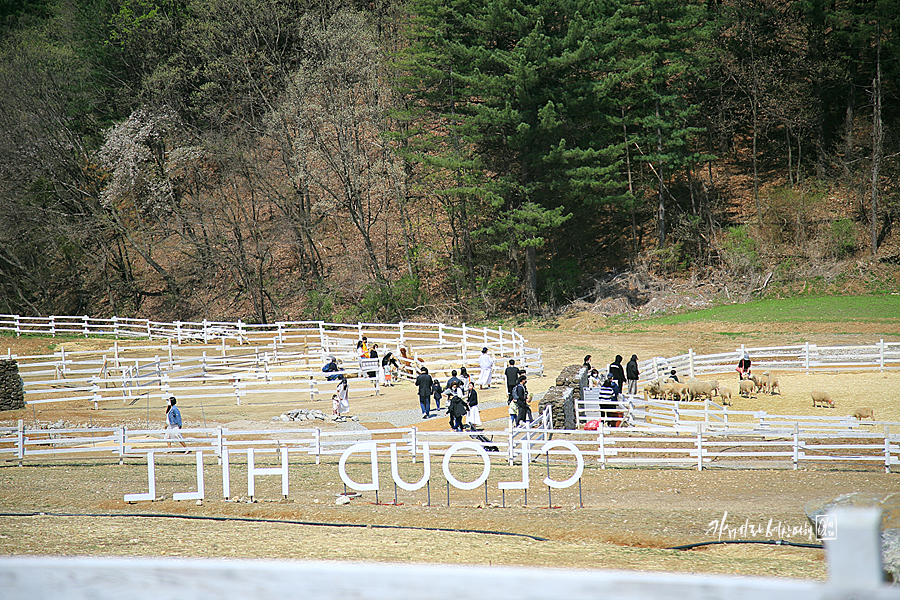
424	383
456	408
520	395
173	424
632	374
437	391
343	394
486	362
512	373
474	418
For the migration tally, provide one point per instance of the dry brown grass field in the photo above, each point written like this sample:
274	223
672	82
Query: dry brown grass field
630	517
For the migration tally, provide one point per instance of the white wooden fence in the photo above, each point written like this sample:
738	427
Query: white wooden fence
808	358
196	360
686	446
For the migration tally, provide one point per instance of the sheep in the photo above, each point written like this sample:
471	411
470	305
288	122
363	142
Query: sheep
758	383
697	389
715	386
819	397
725	394
652	389
679	391
864	412
746	387
771	383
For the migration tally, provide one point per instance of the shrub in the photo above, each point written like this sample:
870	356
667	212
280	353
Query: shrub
740	251
842	239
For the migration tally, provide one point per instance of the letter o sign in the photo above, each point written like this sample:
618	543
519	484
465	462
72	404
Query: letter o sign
466	485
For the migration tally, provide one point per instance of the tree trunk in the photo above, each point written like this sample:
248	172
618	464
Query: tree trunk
531	301
877	137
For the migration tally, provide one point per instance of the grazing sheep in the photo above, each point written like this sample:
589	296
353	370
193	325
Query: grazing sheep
746	387
771	383
821	398
864	412
652	389
715	386
697	389
679	391
725	394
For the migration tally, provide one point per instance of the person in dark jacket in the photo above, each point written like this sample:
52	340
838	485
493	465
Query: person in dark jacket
332	367
512	373
436	391
424	383
457	407
617	372
632	374
520	396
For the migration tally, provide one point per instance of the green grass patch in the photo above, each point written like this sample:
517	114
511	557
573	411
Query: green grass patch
872	309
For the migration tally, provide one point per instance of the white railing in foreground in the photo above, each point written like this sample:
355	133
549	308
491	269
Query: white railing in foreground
806	357
688	446
853	559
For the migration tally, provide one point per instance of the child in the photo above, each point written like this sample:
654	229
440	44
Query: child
335	405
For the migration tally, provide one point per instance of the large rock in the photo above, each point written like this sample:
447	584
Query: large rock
890	522
12	393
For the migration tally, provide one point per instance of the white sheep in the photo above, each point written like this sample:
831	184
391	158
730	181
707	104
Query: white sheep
725	394
864	412
821	398
746	387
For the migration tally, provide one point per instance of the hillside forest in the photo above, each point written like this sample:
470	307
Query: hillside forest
461	159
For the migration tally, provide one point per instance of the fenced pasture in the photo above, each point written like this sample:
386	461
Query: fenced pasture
218	359
808	358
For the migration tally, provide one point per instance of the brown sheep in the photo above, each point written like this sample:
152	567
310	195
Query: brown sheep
725	394
746	387
864	412
821	398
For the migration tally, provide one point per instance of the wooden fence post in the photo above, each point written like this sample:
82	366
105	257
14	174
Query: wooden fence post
20	441
887	449
601	440
796	458
699	447
853	552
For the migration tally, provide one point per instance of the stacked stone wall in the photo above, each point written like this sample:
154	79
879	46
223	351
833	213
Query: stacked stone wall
12	394
563	396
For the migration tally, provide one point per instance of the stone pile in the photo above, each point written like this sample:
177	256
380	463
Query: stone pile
12	394
301	414
563	396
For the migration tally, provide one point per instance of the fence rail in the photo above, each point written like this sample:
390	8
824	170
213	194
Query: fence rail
274	358
880	356
694	447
